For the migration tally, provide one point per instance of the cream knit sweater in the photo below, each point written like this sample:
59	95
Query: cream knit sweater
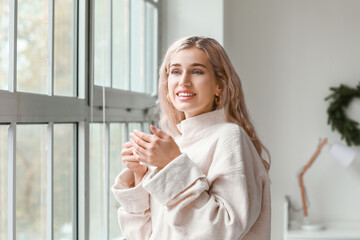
217	189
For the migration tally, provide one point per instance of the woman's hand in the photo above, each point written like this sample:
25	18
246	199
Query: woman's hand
155	150
130	161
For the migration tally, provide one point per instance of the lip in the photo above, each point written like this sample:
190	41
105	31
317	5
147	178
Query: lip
185	98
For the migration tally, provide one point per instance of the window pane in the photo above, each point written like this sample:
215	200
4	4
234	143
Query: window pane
102	43
146	128
132	126
151	47
137	46
117	137
31	181
4	43
97	182
64	48
32	46
64	182
3	180
120	61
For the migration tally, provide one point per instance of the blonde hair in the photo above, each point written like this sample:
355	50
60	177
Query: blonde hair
232	96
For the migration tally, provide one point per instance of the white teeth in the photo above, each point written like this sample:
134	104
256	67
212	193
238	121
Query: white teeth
185	94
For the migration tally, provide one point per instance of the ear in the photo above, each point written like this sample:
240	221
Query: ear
218	90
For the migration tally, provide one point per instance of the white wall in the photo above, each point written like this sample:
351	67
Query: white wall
288	54
181	18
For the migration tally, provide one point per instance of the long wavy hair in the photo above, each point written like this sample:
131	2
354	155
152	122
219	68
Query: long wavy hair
232	96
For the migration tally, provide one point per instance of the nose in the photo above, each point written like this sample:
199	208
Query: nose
185	80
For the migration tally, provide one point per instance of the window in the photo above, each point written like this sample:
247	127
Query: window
118	136
32	46
75	78
99	187
64	48
3	181
126	61
4	41
31	181
120	44
64	175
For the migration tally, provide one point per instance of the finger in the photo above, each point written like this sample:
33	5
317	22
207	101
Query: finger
131	158
138	148
139	157
158	132
139	141
132	165
126	151
144	136
127	145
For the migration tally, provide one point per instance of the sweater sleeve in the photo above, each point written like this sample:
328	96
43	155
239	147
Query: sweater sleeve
134	214
225	209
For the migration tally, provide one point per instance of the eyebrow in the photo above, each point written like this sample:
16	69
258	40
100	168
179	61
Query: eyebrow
194	65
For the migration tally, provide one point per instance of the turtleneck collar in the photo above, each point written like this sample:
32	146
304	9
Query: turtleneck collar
195	127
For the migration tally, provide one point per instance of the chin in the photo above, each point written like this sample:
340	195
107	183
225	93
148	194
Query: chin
183	106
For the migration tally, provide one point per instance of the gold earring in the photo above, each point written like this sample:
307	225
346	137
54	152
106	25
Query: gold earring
217	100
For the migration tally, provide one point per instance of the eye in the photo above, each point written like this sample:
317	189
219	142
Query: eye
197	72
175	72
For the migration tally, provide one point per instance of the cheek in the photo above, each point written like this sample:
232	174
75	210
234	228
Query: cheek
170	91
171	88
207	88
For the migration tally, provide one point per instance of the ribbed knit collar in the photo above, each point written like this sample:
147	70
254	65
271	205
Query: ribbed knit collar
199	126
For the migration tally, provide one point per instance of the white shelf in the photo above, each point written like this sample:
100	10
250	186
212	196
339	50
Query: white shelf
349	230
333	230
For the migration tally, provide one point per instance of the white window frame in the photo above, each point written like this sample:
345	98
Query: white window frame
91	105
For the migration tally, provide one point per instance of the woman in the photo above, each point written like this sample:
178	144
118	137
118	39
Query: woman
210	181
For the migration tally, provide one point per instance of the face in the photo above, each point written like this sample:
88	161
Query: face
191	83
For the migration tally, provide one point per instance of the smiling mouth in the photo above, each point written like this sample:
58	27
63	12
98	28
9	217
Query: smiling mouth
186	94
